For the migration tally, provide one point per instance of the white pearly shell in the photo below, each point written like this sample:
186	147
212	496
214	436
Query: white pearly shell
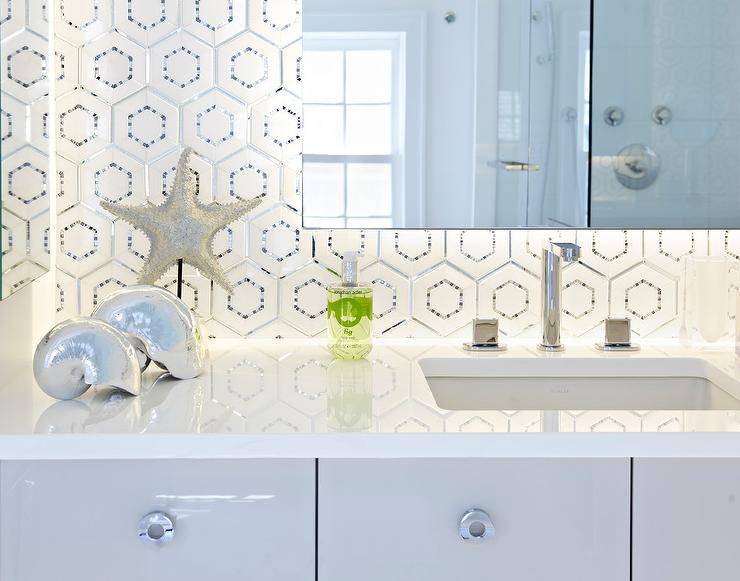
82	352
161	325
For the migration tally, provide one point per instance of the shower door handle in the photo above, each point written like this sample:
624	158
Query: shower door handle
519	166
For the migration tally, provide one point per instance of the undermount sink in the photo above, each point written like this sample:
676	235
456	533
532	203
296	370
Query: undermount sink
640	383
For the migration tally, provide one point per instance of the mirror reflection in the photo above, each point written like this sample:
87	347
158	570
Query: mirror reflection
477	114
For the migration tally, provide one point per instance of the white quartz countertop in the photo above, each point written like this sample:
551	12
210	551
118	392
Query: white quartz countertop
286	398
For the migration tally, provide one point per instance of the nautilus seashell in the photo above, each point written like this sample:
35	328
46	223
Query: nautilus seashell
159	324
82	352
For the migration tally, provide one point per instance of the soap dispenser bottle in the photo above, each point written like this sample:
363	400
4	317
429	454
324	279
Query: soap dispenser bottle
350	311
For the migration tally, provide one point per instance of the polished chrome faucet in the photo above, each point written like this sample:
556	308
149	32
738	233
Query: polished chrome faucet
553	255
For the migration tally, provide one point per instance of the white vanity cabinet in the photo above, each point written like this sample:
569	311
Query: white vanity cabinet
232	520
399	520
686	520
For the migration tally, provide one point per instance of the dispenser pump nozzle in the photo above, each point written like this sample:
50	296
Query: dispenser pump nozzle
349	269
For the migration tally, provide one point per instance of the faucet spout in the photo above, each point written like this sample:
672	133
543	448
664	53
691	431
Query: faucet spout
554	254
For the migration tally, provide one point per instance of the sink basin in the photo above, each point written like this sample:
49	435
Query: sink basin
640	383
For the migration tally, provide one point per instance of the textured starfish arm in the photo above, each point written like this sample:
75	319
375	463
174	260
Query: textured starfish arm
228	213
210	268
159	260
141	217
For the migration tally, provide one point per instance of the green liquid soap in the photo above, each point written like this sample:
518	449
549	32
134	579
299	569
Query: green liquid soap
350	312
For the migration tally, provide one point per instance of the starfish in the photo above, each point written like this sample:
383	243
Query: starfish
182	227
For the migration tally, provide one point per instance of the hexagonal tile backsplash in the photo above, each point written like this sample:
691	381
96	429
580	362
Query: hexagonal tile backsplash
225	78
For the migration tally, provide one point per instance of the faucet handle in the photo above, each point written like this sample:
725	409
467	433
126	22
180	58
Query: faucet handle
568	251
617	336
485	336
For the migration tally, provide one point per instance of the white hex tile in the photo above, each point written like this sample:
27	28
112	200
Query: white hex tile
66	300
14	240
303	298
293	68
600	421
527	245
278	243
12	16
13	120
25	71
279	419
477	422
18	277
411	417
610	251
196	289
162	176
279	21
291	189
214	21
102	282
330	246
181	66
511	295
114	177
725	242
444	299
146	125
478	252
131	246
254	302
38	16
113	67
646	296
68	184
79	21
146	21
248	175
667	249
412	251
248	67
215	125
39	122
585	299
230	244
83	125
67	59
247	383
391	293
39	239
276	126
25	182
84	240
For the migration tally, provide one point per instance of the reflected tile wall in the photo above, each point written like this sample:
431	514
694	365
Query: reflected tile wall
228	84
24	105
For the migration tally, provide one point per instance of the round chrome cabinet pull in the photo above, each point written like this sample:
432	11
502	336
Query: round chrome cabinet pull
156	528
476	525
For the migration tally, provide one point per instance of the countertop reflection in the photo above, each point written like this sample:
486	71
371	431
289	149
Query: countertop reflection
295	387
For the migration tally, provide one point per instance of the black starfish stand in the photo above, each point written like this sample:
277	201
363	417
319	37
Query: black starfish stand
179	278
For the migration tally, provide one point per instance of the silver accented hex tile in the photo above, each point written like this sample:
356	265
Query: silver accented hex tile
83	125
115	177
99	284
646	296
278	243
215	125
478	252
330	246
279	21
146	21
248	67
667	249
246	175
25	182
585	299
79	21
181	67
610	251
511	295
113	67
412	251
162	176
254	302
276	126
84	240
391	292
25	71
146	125
444	299
303	298
214	21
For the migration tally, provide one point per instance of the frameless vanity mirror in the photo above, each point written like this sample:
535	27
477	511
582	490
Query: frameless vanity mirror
493	114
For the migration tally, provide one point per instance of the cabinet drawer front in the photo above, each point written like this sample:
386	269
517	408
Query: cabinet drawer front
399	520
686	519
232	520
